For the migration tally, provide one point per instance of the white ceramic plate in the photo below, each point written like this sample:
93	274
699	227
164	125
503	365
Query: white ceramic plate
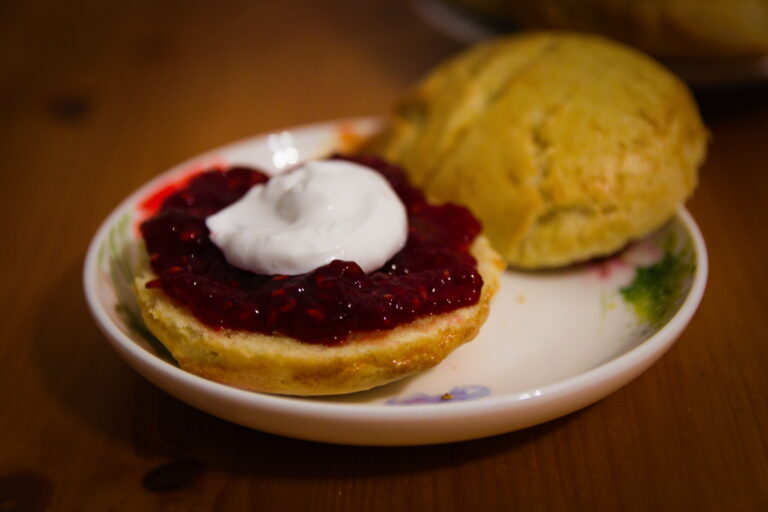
554	342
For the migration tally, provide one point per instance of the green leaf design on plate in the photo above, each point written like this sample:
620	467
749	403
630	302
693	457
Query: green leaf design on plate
122	258
657	289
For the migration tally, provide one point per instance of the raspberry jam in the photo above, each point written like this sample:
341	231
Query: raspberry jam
434	273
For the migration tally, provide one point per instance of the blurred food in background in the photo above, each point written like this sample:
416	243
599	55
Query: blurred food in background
704	41
675	28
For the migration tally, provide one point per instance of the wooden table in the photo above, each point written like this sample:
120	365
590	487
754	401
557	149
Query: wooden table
97	97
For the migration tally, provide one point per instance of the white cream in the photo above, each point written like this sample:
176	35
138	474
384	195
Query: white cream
309	216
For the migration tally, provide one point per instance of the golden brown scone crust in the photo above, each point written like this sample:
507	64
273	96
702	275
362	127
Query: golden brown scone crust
671	28
566	146
279	364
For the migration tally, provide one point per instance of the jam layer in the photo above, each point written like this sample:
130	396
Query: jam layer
434	273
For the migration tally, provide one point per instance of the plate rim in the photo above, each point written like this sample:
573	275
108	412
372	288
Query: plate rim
634	361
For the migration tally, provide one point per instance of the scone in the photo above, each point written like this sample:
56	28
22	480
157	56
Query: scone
670	28
284	365
288	360
565	146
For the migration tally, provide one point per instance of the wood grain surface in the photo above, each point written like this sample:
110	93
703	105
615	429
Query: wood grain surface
96	97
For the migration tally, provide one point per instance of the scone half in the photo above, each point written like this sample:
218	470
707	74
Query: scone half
284	365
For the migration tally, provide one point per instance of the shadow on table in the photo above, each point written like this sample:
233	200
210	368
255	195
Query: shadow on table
174	443
191	441
732	102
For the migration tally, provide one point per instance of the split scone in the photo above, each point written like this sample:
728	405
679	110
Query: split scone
330	331
565	146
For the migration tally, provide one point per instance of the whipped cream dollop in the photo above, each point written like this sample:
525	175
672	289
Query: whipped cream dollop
309	216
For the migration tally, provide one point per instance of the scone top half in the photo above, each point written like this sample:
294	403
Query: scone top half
566	146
